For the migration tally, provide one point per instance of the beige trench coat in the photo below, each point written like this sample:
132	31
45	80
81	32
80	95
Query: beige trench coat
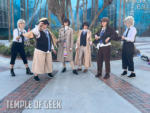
86	62
68	36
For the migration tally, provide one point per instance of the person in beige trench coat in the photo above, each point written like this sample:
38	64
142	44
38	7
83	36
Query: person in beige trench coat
83	49
65	46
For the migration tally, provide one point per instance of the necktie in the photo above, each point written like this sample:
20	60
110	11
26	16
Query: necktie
22	38
127	33
47	35
101	36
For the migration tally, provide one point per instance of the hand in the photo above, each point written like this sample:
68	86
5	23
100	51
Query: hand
96	37
58	40
18	38
70	49
123	37
91	43
54	51
40	24
77	49
107	39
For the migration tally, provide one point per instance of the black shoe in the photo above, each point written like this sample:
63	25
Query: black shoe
98	75
12	72
36	78
107	76
28	71
75	72
50	75
124	73
132	75
64	69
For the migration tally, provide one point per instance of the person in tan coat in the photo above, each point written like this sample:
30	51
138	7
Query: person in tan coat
65	46
83	49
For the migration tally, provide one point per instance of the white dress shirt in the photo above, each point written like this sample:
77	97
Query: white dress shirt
36	32
131	34
17	32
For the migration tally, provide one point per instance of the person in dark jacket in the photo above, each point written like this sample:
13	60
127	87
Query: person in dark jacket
103	40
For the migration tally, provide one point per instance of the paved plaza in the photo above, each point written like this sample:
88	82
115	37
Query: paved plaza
81	93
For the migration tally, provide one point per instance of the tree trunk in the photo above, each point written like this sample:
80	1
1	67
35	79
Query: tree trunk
67	9
71	14
119	24
96	17
77	15
28	13
24	7
12	5
124	3
92	11
58	9
96	10
45	8
40	10
9	24
105	4
49	15
83	11
34	12
86	11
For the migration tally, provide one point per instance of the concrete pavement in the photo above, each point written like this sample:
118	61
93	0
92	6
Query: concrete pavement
81	93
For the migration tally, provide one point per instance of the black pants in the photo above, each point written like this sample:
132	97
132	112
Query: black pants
103	55
127	56
18	48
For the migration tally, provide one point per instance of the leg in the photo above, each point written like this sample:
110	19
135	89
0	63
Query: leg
38	62
14	51
64	67
124	59
107	52
48	63
129	56
80	57
23	55
72	64
100	61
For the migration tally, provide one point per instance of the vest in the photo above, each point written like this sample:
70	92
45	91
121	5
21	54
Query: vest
42	42
83	39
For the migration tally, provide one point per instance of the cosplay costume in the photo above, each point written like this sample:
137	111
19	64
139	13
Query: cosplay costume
104	49
18	47
45	42
65	47
83	53
128	48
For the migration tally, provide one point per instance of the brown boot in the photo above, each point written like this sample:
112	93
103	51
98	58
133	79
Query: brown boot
85	70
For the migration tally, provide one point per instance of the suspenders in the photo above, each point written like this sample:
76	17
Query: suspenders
21	37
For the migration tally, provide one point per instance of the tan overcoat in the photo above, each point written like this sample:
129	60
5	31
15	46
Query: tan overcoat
87	61
68	36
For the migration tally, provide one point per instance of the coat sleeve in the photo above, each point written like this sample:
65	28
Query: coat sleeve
78	39
72	40
114	36
90	37
98	34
